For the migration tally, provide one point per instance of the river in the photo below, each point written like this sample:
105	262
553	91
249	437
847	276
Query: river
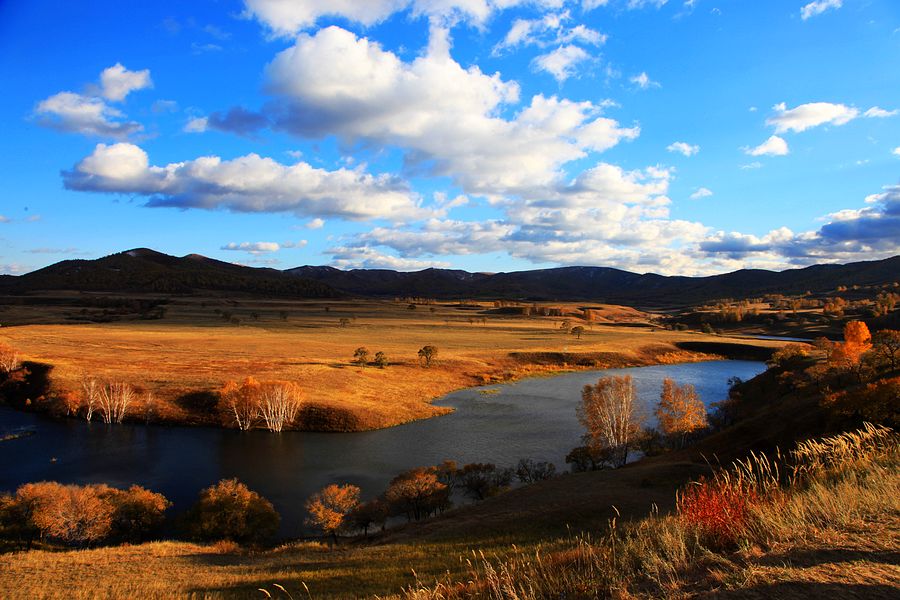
532	418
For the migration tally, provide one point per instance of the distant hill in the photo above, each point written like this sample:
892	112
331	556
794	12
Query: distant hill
602	283
144	270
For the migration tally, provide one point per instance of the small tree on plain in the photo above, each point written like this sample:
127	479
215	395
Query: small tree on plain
427	355
566	325
381	360
329	508
578	331
361	356
609	413
344	322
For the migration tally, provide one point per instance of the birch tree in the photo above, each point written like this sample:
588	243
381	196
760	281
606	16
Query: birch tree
609	413
239	403
114	400
279	403
90	396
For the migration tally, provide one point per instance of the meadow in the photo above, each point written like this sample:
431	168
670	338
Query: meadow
183	358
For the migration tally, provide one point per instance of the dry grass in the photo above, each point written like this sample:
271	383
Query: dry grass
194	350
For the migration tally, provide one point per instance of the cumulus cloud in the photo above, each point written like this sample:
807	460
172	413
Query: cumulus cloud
643	81
89	113
561	63
116	82
896	151
683	148
444	116
817	7
369	258
701	192
865	233
809	115
774	146
74	113
248	183
315	223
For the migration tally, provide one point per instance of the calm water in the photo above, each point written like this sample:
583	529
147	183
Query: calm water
533	418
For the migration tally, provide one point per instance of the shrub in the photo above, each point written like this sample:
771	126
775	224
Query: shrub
482	480
717	511
230	510
329	507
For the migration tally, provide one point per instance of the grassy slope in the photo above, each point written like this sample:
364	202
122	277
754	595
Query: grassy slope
192	350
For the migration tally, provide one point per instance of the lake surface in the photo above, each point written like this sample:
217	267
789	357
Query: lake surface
533	418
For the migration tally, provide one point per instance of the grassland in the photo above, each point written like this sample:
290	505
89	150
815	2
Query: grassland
195	349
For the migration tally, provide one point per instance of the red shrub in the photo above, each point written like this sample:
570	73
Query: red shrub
718	512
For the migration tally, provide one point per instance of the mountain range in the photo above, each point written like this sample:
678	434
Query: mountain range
144	270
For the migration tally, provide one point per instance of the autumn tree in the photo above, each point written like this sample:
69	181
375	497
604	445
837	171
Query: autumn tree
483	480
609	413
138	512
230	510
381	360
367	514
680	411
279	402
113	401
857	341
531	471
565	326
428	354
578	331
90	396
886	345
416	493
9	359
71	514
361	356
329	508
239	403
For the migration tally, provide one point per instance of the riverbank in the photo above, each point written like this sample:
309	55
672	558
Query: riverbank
185	359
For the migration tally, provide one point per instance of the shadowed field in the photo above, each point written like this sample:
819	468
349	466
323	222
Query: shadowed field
194	350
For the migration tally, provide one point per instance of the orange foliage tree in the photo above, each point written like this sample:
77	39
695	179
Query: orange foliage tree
857	341
416	493
329	508
230	510
680	411
239	403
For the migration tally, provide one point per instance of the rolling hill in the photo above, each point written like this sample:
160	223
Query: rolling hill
143	270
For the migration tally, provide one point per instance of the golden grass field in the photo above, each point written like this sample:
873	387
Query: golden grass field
193	349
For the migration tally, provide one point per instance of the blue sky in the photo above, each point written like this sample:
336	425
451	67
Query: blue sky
679	137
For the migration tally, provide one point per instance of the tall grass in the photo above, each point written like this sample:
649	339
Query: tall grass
755	502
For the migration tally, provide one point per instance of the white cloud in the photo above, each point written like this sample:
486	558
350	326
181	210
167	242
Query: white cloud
196	125
248	183
701	193
896	151
297	244
4	219
89	114
549	30
774	146
643	81
253	247
809	115
315	224
683	148
879	113
751	166
287	17
73	113
116	82
562	62
443	115
817	7
369	258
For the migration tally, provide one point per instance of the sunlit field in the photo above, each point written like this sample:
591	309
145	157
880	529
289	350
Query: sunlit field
194	349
